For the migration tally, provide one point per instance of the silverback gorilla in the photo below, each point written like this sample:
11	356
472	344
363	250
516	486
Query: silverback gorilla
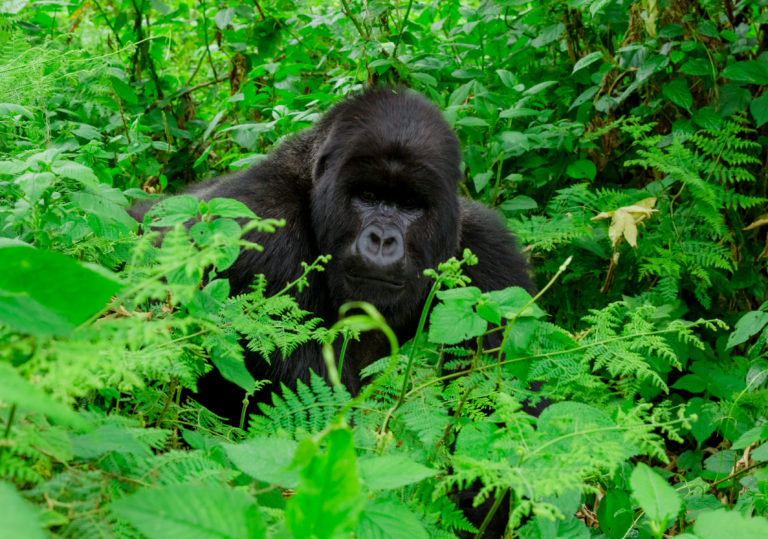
374	183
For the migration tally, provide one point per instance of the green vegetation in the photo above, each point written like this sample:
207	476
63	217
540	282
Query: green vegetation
625	143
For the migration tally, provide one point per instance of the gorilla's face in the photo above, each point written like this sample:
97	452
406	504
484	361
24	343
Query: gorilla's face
384	205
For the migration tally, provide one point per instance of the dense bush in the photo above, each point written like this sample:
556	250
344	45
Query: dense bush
624	142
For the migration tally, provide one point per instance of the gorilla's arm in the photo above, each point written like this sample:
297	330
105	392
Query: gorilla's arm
500	264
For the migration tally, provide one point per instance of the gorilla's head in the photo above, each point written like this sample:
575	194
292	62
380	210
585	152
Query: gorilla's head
384	201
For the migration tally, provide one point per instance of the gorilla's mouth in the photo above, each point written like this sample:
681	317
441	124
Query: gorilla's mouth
376	281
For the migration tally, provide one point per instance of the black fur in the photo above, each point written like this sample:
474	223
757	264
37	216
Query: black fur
374	183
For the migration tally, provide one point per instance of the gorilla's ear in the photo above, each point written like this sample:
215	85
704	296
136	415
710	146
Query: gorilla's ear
321	165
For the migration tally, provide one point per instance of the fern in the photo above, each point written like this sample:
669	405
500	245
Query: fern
306	411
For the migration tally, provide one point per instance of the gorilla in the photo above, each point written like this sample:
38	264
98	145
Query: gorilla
373	183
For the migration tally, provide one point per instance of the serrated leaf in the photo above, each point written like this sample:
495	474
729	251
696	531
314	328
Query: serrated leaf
392	471
453	322
12	109
708	118
677	92
759	110
519	203
64	293
227	357
696	66
16	390
724	523
124	91
12	167
75	171
34	184
747	71
266	459
656	497
191	511
327	501
19	517
172	211
389	519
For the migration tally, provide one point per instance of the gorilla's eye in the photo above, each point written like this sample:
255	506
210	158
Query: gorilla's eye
410	203
368	196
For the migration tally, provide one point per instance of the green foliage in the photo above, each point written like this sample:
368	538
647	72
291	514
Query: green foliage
566	111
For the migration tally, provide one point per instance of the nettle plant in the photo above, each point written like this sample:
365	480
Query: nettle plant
435	418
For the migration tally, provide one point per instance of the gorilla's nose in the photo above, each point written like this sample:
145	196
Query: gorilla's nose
381	246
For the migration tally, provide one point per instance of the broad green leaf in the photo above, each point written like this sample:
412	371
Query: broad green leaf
748	72
481	180
124	91
615	514
16	390
247	135
75	171
507	78
392	471
266	459
113	221
693	383
454	321
468	293
748	325
706	418
227	357
752	436
18	518
760	454
651	65
224	18
584	96
59	290
677	92
719	465
389	519
582	169
589	59
34	184
12	167
656	497
327	501
172	211
723	523
512	300
192	511
160	6
548	35
11	109
204	233
106	439
489	311
518	112
708	118
471	121
425	79
540	87
461	94
518	203
696	66
514	142
759	110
